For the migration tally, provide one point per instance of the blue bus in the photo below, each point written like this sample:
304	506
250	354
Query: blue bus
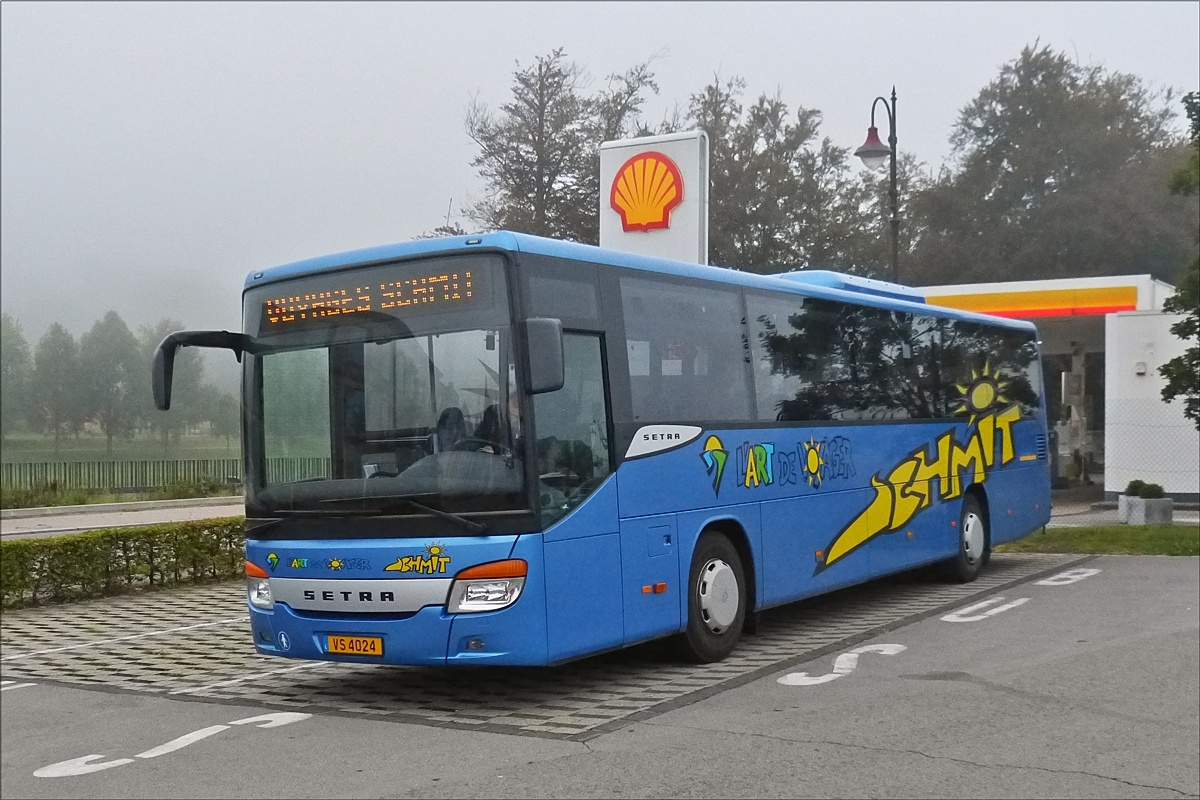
504	449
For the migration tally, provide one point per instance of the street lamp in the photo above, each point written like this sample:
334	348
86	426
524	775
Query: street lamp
873	154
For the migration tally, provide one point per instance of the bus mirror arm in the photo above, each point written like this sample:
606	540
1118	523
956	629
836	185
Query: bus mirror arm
163	365
544	368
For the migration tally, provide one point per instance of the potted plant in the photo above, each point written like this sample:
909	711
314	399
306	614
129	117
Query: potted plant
1131	490
1151	506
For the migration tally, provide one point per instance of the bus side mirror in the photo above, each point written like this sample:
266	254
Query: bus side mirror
162	367
544	369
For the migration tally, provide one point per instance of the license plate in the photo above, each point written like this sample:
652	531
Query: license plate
354	645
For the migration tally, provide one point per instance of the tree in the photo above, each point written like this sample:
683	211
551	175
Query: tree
225	415
1058	173
539	155
780	197
56	388
1182	373
187	396
448	229
109	365
16	366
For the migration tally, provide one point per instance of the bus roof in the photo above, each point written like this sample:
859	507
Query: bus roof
825	284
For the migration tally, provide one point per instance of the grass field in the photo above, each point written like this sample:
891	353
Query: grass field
1138	540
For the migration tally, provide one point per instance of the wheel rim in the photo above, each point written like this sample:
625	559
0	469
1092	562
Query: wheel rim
973	536
718	592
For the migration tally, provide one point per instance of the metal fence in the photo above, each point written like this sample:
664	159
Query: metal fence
118	476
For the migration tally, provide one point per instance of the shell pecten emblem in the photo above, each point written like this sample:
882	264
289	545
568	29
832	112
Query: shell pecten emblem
645	190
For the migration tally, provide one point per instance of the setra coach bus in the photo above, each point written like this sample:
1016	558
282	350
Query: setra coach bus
505	449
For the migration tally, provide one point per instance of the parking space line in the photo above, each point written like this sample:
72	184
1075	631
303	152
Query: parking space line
306	665
103	642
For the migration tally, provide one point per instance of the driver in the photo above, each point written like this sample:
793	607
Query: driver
500	430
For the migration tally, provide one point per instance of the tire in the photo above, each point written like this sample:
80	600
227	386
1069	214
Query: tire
717	602
974	543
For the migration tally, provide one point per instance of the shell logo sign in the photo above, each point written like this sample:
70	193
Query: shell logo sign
645	190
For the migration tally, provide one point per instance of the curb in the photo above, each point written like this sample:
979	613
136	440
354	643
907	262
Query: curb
137	505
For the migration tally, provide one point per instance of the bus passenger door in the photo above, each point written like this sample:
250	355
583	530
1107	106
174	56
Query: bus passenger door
650	576
579	505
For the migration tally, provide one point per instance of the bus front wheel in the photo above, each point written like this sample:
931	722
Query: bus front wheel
716	600
974	543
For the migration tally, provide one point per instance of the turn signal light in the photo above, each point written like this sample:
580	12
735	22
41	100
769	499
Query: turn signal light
508	568
255	571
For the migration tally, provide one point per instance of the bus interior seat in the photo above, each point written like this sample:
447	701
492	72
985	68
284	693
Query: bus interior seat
488	428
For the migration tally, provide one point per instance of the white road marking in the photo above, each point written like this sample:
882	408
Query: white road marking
844	665
965	615
78	766
1070	576
6	685
84	765
182	741
306	665
274	720
102	642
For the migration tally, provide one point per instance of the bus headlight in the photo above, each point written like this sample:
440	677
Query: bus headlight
259	591
487	587
258	587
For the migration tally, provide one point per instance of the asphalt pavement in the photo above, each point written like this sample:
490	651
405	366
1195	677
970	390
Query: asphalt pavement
1078	681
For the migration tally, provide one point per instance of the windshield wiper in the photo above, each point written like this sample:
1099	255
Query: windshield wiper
280	516
394	501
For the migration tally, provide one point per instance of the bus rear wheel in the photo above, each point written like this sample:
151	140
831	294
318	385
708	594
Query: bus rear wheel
716	600
974	543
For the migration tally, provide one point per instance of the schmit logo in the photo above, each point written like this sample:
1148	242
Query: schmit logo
645	190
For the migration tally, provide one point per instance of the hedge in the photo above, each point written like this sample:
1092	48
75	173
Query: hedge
80	566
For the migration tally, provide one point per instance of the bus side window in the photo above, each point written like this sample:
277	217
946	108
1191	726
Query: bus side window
686	357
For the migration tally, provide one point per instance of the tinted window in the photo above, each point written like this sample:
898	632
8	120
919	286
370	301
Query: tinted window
781	370
989	367
825	360
822	359
562	298
686	352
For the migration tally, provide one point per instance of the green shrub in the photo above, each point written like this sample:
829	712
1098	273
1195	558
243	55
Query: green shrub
46	494
1151	491
80	566
1134	487
201	487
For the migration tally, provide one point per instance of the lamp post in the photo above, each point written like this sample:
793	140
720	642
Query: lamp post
873	154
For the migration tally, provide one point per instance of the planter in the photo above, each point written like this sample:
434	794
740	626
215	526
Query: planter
1142	511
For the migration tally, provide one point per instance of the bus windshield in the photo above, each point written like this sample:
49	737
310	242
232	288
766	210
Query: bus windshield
402	400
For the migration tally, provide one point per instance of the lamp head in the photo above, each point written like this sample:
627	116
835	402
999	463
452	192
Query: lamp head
874	153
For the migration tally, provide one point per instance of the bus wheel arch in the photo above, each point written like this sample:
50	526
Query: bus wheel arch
974	538
718	594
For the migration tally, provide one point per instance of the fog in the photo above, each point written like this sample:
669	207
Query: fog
154	154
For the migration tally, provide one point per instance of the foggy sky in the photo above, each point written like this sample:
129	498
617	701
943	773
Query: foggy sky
154	154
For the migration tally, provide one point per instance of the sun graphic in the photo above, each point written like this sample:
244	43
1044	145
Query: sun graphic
983	393
435	549
336	563
814	462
